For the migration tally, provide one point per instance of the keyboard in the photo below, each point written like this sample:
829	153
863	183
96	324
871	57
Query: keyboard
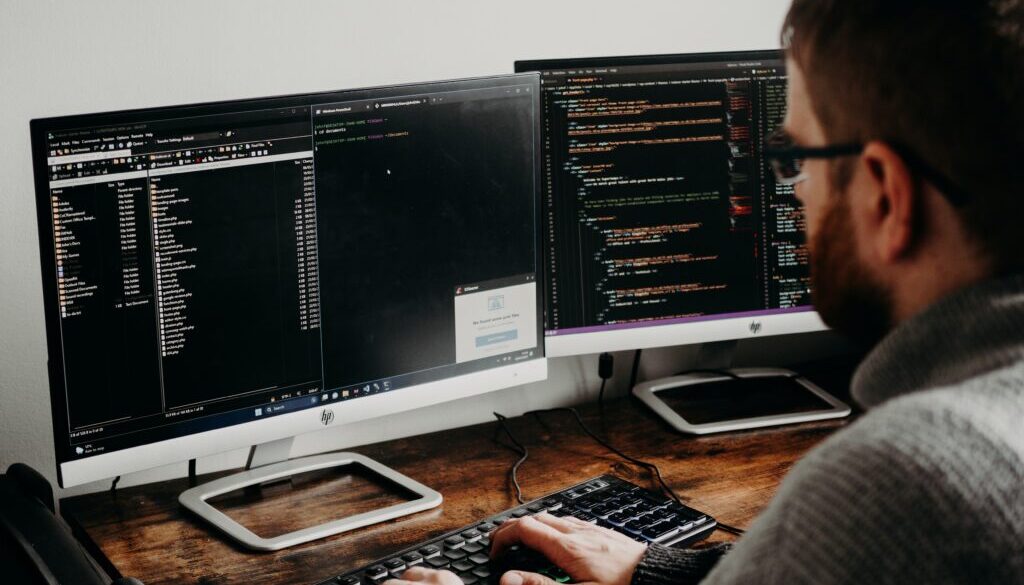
608	501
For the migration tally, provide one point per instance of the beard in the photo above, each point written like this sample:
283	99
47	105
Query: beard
846	294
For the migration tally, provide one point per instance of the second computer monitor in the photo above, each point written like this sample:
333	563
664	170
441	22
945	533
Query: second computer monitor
663	224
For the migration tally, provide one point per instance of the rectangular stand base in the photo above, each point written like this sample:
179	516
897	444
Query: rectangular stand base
196	499
774	397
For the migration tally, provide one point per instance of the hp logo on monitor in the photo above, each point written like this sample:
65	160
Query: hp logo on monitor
755	327
326	416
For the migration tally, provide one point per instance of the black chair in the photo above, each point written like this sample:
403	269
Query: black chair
35	546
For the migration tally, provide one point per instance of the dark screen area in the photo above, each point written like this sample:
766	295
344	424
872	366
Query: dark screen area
401	196
712	402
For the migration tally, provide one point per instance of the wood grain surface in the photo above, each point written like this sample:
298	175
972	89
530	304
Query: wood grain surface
142	532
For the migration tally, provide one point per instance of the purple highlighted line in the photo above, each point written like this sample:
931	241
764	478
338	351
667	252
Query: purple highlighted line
660	322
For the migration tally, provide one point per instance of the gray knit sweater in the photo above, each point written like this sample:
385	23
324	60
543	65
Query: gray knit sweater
927	487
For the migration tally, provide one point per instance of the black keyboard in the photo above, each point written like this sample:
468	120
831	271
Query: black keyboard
608	501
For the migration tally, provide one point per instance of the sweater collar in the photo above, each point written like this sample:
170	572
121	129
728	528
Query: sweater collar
968	333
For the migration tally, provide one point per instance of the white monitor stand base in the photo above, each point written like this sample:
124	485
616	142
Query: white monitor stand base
269	463
712	365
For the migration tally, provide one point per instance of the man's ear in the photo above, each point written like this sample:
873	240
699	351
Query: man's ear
893	203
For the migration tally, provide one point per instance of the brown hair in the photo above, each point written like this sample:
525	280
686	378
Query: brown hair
942	79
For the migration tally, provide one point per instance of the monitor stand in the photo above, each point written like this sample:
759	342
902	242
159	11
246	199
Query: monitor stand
269	463
797	399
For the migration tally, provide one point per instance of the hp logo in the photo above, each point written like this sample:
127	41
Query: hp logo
755	327
326	416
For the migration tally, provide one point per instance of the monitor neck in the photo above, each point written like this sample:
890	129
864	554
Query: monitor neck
271	452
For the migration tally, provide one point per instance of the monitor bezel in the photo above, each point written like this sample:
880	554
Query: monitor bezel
652	334
71	472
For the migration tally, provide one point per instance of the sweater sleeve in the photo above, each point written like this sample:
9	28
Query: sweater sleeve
662	565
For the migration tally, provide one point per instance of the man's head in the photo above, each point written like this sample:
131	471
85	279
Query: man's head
933	90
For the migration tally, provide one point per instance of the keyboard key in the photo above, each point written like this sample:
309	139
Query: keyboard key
438	563
350	580
618	519
430	550
453	542
586	517
480	559
482	572
463	565
660	530
484	542
412	558
455	554
500	520
552	504
376	573
486	527
665	515
392	564
471	535
520	513
634	526
473	547
468	578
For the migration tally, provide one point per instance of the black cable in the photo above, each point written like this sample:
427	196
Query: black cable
657	472
731	529
192	473
600	396
113	485
636	370
522	450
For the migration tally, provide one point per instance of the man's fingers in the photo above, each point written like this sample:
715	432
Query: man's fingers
416	573
530	532
524	578
564	524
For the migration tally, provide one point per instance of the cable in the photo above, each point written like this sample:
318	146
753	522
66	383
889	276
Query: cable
113	485
192	473
726	528
657	472
522	450
636	370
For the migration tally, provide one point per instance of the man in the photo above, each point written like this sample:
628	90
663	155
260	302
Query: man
903	139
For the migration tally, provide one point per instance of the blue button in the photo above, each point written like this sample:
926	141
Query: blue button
493	338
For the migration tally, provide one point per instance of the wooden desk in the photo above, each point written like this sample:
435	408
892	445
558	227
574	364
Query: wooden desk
143	533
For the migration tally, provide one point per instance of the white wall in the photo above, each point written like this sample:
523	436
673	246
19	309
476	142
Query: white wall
68	56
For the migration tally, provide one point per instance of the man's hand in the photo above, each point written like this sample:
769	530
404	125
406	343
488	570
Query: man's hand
589	554
425	576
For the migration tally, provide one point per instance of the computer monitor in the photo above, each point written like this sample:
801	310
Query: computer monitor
229	274
663	224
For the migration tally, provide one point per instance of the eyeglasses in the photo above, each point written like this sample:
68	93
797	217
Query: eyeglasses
787	161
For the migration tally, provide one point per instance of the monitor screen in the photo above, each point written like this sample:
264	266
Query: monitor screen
663	224
215	265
